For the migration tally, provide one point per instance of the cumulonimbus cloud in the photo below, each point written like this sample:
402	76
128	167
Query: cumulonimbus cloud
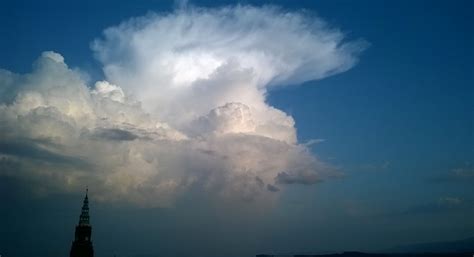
182	107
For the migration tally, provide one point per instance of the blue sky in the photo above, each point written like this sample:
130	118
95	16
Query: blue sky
398	124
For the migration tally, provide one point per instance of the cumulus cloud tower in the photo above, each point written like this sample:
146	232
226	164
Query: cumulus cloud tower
182	108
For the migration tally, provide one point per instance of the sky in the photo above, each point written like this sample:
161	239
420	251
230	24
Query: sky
226	128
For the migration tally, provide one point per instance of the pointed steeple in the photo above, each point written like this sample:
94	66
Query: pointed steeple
82	244
84	218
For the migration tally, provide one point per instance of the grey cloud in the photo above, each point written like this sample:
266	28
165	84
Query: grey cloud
115	134
260	182
29	149
305	178
272	188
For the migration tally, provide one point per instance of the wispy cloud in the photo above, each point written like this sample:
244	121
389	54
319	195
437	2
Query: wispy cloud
463	174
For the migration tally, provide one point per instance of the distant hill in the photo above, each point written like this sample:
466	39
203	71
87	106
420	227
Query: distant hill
360	254
459	246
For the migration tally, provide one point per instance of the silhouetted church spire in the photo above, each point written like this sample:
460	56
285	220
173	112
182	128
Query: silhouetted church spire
84	218
82	244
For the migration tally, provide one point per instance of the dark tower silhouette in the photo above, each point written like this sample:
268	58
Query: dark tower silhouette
82	244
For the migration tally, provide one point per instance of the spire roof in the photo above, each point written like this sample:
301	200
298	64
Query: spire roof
84	218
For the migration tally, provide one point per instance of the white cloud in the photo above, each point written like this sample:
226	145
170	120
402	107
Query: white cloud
105	89
53	56
202	76
183	64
